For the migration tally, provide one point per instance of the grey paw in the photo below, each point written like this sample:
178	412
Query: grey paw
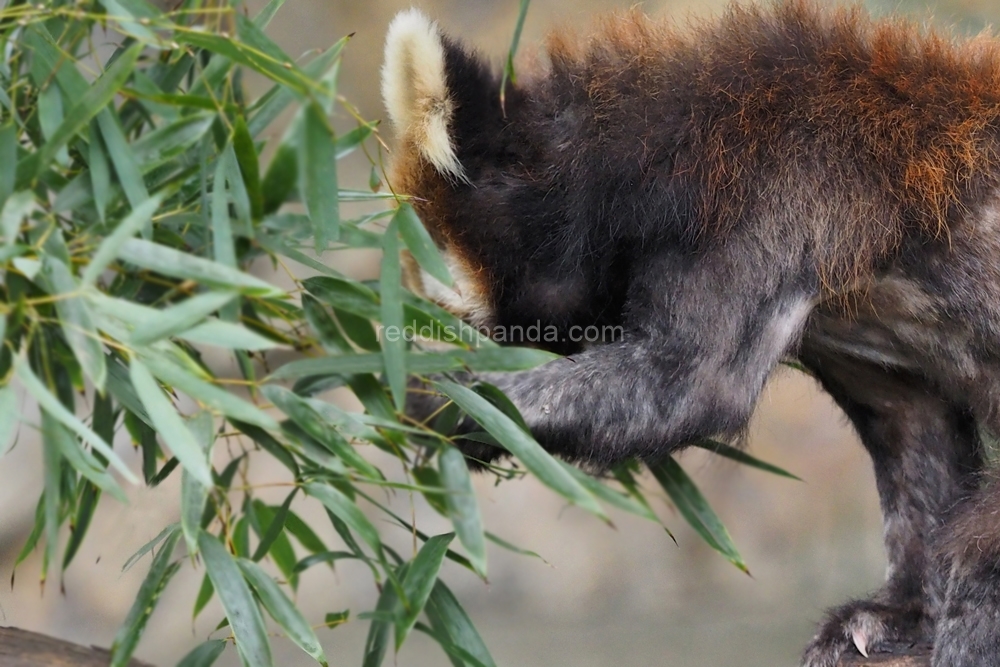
863	627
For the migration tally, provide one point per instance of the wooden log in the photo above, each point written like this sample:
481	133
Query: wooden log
21	648
894	655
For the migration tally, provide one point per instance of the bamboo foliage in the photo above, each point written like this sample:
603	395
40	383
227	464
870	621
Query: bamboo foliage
132	202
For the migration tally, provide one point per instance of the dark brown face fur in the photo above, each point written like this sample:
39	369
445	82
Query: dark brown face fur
780	181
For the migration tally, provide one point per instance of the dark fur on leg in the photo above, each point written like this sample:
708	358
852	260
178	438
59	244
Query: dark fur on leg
927	456
968	628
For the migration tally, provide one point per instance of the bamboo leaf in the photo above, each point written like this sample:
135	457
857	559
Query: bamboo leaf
160	573
194	494
463	508
282	610
52	405
419	581
170	262
489	359
169	424
80	459
696	510
420	245
318	174
740	456
204	655
345	509
96	98
180	318
108	251
449	620
237	600
9	418
523	446
77	323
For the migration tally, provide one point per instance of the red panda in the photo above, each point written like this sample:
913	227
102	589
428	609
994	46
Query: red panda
780	182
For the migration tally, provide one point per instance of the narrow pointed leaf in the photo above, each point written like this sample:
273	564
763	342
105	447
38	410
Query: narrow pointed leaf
237	601
449	620
282	610
169	424
462	506
523	446
51	404
180	318
419	581
77	323
695	509
108	251
9	418
170	262
160	573
318	174
347	511
204	655
167	532
80	459
730	452
420	245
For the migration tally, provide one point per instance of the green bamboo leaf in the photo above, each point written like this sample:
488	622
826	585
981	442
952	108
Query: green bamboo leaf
347	511
463	508
249	166
54	407
160	573
169	531
80	459
169	424
274	528
204	655
100	173
393	346
209	395
419	581
228	335
75	318
282	610
303	533
281	178
52	473
16	207
609	495
93	101
9	417
80	523
387	607
449	620
108	251
487	359
277	68
279	97
180	318
222	231
194	494
129	14
170	262
508	69
123	158
696	510
237	601
265	15
318	175
420	244
523	446
740	456
304	413
8	161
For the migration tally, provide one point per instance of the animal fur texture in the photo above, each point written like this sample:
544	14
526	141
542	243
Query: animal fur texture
781	181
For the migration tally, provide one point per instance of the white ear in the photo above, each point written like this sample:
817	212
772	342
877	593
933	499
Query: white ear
415	89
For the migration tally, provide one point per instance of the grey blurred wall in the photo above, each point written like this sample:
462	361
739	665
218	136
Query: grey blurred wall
626	596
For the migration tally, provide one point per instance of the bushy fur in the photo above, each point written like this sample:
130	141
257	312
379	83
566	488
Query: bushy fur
781	181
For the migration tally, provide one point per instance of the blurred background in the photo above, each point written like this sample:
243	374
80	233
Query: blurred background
624	596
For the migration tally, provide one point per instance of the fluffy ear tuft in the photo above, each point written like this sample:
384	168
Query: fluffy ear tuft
415	89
